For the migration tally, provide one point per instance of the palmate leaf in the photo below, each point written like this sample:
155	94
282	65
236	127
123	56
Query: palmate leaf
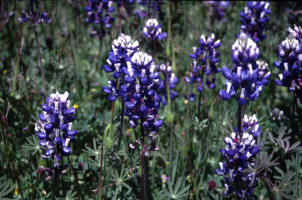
70	195
284	142
264	161
5	189
285	184
176	188
32	146
118	184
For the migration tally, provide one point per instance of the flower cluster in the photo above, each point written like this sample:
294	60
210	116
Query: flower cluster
219	8
170	80
34	18
142	105
150	4
239	154
248	75
99	12
205	61
152	30
119	63
290	62
254	19
54	127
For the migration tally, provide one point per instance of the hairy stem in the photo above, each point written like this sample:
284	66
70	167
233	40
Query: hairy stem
111	118
268	186
39	57
75	174
18	61
239	120
122	125
171	148
100	186
154	49
54	183
143	166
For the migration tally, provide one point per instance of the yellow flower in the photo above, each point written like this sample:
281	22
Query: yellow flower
16	191
186	101
4	72
44	192
93	90
167	162
75	106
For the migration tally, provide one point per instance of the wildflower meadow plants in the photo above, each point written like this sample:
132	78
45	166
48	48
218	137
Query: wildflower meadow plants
138	114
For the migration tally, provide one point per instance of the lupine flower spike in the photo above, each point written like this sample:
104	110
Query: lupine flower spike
99	12
119	63
142	105
54	128
205	61
290	59
152	30
248	76
34	18
219	8
148	6
170	80
254	18
239	154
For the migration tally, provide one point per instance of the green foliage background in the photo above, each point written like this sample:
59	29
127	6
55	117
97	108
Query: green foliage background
73	62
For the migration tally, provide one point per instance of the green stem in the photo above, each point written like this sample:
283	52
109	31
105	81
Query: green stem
239	120
100	187
111	118
18	61
39	57
54	184
76	178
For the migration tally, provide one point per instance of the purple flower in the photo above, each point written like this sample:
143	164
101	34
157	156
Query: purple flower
119	64
142	105
99	12
150	4
248	75
254	19
205	61
170	80
290	62
239	154
152	30
34	18
54	127
219	8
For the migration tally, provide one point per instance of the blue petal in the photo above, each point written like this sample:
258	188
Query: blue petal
226	73
224	95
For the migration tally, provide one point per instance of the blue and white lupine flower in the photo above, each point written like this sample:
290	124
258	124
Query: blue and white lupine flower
169	80
35	18
150	5
54	127
99	12
219	8
249	75
296	32
142	105
239	154
205	62
152	30
290	62
254	18
119	63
